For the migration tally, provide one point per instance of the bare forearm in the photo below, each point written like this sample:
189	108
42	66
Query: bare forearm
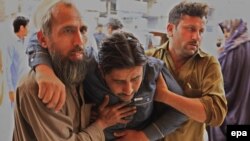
192	107
51	90
41	68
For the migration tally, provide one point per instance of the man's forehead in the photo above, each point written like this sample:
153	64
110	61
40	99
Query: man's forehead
67	15
68	18
41	10
47	5
193	20
120	74
66	11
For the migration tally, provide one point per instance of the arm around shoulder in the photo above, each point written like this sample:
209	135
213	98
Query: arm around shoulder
31	113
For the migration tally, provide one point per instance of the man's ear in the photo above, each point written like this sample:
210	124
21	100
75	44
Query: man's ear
41	39
170	28
21	28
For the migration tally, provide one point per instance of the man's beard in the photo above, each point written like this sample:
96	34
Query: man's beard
71	73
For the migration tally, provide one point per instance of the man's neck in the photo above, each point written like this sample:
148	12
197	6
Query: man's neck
178	60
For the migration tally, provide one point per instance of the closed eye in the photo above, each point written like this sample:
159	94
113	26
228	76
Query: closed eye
119	81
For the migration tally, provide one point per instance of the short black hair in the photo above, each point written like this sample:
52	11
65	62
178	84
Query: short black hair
120	51
20	21
99	25
115	23
197	9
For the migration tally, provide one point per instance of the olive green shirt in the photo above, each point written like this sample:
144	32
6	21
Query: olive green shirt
35	122
200	77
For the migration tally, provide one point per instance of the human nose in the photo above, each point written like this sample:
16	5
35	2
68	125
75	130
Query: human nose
128	89
80	39
196	36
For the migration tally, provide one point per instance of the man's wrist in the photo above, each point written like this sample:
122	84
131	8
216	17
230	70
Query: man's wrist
100	124
44	68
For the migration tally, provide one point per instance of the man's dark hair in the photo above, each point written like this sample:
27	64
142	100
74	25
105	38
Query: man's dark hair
121	50
196	9
115	24
99	25
20	21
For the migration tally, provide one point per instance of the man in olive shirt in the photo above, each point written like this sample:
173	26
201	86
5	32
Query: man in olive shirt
197	72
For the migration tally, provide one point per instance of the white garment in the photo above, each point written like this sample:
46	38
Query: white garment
6	113
17	62
7	119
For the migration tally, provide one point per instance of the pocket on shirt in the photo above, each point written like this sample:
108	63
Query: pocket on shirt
191	91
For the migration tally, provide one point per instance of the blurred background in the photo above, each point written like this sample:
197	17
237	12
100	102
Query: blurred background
139	16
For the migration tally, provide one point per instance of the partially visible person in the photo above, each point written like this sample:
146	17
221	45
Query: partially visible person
114	25
198	73
1	78
17	60
99	35
219	44
63	34
6	106
235	64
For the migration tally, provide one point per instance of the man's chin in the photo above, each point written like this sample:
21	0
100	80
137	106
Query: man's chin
126	99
